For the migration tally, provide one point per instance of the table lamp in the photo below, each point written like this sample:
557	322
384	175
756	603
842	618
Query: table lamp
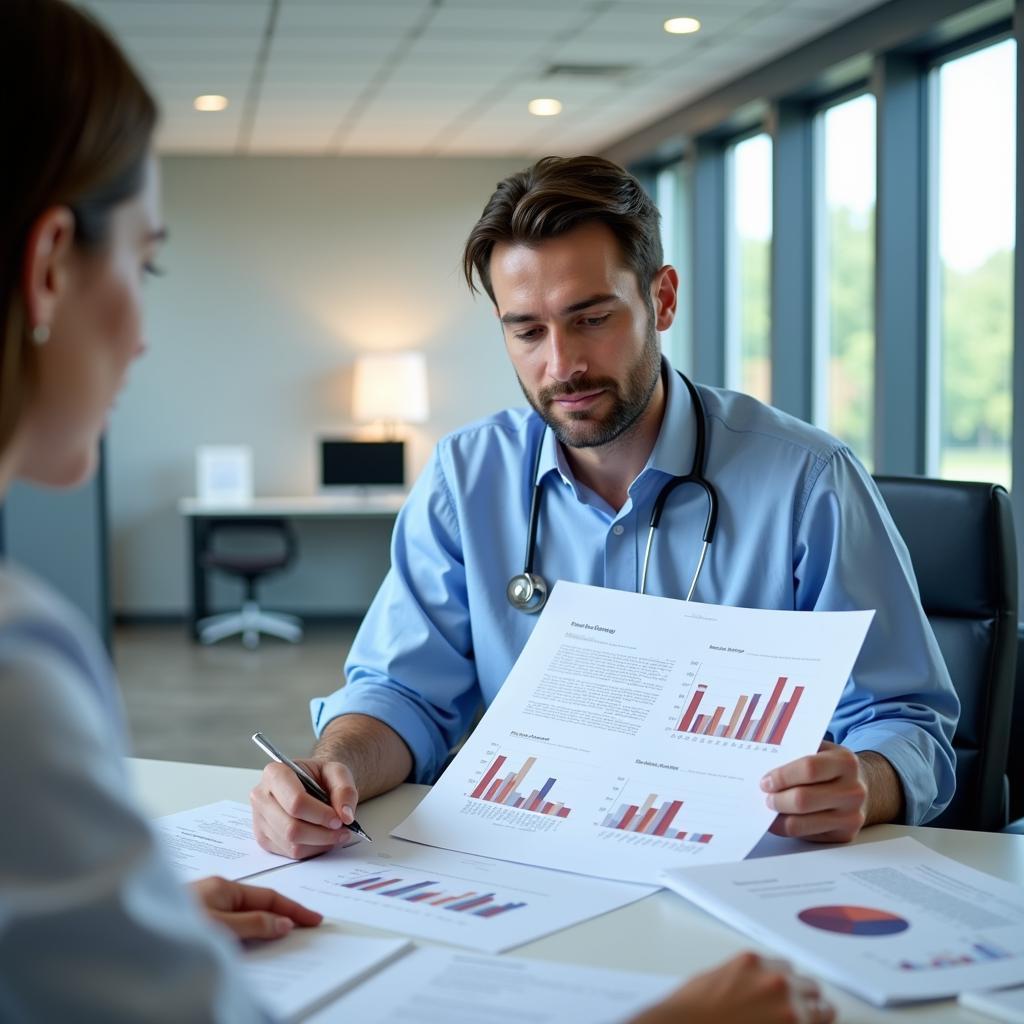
390	388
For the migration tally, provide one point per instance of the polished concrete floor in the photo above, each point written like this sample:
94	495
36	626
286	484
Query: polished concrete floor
186	702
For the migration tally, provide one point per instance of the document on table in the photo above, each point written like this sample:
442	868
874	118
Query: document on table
1006	1005
432	984
216	839
633	731
892	922
457	898
296	975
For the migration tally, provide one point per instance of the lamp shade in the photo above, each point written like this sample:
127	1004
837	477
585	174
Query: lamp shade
390	386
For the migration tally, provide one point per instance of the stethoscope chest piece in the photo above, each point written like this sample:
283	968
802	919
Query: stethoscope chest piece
527	592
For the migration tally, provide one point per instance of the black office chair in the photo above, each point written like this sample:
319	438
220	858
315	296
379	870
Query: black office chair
962	545
1015	760
261	547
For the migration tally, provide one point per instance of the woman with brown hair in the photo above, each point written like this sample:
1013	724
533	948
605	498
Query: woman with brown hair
93	926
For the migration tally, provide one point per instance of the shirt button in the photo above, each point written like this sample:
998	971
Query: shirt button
618	529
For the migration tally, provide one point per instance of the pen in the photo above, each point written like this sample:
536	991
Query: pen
309	784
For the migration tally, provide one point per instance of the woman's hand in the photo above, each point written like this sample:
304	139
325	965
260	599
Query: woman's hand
745	990
251	912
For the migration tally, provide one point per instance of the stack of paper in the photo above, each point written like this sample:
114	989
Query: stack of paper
432	985
892	922
1006	1005
296	975
216	839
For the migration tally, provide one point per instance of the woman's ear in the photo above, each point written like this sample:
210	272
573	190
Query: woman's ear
47	265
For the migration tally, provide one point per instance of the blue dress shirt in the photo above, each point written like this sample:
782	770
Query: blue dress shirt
800	526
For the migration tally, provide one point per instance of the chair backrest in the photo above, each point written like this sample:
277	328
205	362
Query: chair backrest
963	549
249	545
1015	758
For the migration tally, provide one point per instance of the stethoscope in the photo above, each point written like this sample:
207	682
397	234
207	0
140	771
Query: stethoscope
528	591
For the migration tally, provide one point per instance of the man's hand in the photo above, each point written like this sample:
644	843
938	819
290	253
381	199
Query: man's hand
829	796
288	821
745	990
251	912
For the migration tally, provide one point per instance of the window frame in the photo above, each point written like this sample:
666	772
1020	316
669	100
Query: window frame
891	51
732	314
821	331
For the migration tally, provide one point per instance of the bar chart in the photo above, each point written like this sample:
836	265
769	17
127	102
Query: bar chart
507	787
976	953
652	817
479	904
759	717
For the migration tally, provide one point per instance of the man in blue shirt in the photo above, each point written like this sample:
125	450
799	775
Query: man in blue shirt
569	253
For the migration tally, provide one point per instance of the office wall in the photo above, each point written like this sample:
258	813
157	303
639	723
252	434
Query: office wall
278	271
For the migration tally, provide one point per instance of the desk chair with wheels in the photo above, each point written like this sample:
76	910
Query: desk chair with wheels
963	549
265	546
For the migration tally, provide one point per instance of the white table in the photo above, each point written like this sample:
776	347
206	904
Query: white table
662	934
201	514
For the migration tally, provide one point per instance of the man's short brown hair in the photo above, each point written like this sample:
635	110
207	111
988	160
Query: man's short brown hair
556	195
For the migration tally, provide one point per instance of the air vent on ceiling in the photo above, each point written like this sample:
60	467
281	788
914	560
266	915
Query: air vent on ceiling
587	70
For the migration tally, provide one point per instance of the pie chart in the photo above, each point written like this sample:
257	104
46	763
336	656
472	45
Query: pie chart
853	920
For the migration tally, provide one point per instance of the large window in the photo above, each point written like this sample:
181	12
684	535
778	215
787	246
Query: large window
971	397
844	370
748	255
671	197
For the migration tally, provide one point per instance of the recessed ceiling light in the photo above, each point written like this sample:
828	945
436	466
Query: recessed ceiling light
210	104
544	107
682	26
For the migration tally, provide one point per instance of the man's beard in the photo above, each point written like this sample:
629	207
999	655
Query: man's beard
630	398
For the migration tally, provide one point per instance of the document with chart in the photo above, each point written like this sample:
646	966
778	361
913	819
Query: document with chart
477	902
892	921
633	731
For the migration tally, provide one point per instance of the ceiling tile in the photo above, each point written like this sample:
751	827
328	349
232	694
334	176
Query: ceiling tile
341	17
181	16
500	23
462	84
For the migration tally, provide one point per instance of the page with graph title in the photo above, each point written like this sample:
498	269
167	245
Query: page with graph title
633	731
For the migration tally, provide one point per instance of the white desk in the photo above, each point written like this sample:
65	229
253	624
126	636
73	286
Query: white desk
201	514
661	934
311	505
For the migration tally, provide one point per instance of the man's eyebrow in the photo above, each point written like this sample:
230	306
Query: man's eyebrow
159	235
576	307
594	300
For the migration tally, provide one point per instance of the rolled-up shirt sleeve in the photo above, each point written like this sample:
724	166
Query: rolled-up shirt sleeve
411	665
899	700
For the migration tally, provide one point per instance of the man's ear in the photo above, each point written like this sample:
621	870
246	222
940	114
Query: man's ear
46	267
665	295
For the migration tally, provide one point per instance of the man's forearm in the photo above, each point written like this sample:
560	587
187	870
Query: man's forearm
373	752
886	802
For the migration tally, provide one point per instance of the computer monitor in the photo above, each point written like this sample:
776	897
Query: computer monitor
348	465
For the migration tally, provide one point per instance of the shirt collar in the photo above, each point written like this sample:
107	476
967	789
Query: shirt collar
673	451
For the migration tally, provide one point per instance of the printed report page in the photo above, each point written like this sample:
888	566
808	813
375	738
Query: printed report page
633	731
890	921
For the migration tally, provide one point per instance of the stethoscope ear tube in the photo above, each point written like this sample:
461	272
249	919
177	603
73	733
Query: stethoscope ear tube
531	535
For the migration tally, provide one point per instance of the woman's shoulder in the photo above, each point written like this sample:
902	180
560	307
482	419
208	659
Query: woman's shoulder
47	649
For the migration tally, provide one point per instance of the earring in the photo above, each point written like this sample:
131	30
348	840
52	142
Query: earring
40	334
